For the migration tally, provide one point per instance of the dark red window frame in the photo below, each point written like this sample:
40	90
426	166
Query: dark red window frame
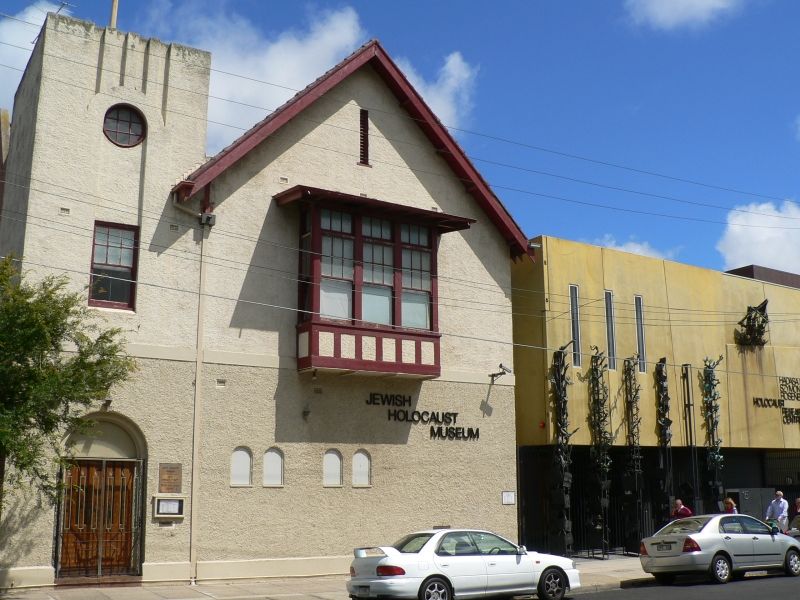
125	127
311	271
131	303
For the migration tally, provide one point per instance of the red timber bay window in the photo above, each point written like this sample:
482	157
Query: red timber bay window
114	257
367	293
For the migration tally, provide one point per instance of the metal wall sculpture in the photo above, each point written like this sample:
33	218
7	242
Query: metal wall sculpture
633	489
754	326
710	407
602	439
560	533
664	436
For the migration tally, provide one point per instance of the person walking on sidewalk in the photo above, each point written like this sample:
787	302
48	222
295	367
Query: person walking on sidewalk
778	510
681	510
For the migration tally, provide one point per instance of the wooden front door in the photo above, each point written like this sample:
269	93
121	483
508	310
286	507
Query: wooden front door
99	521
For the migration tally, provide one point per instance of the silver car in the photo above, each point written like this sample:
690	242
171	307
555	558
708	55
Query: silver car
725	546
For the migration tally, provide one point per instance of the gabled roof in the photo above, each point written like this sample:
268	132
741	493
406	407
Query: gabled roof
372	54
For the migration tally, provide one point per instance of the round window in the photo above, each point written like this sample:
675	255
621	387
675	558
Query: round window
124	125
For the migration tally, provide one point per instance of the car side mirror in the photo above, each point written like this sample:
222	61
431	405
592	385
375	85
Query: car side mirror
775	530
522	550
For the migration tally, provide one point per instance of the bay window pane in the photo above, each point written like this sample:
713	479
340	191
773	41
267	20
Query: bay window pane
415	307
335	298
376	304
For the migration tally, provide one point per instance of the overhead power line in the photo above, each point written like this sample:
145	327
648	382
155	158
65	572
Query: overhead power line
65	270
490	136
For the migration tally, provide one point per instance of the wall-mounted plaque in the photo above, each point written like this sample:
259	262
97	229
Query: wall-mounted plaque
169	478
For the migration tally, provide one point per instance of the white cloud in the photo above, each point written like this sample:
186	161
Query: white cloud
21	35
634	247
289	61
450	94
672	14
292	60
768	245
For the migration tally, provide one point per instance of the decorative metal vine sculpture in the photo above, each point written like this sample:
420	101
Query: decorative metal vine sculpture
754	326
632	394
664	431
710	407
561	526
633	517
602	439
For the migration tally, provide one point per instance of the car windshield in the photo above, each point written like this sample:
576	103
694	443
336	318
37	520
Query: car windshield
411	544
690	525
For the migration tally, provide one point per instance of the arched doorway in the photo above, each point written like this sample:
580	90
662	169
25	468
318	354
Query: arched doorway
100	515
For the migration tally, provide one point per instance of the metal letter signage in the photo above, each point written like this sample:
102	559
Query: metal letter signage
443	424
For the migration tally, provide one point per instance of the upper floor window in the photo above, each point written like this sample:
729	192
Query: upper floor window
611	338
124	125
371	269
576	325
640	347
114	254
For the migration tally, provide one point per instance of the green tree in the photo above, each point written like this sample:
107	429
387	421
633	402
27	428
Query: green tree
56	361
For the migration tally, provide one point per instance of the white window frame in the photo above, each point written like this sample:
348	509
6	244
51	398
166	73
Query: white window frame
241	451
358	455
266	475
331	479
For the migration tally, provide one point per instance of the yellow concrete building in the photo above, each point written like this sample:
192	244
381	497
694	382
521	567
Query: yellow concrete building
637	311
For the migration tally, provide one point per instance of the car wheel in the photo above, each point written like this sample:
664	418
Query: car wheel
665	578
792	563
435	588
720	569
552	584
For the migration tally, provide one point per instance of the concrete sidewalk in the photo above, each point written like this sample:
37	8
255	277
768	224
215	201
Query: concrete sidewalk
596	575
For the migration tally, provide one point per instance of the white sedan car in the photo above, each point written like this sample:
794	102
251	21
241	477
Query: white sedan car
440	564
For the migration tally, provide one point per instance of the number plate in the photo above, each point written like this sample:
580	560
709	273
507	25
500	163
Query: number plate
663	547
362	591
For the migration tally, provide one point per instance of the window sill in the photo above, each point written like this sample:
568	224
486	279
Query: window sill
273	485
362	486
241	485
113	309
332	486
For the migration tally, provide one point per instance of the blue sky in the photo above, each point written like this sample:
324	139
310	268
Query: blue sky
584	116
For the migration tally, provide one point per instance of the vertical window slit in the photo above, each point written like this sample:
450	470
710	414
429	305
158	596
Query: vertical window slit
364	138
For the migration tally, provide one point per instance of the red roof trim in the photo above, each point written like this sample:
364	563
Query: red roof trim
443	221
373	54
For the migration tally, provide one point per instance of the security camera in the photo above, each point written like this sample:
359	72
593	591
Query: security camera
504	368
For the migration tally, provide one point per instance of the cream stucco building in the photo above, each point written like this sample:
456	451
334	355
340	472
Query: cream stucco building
312	373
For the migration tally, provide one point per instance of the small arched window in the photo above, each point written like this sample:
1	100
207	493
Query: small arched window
332	469
241	467
362	469
273	467
124	125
